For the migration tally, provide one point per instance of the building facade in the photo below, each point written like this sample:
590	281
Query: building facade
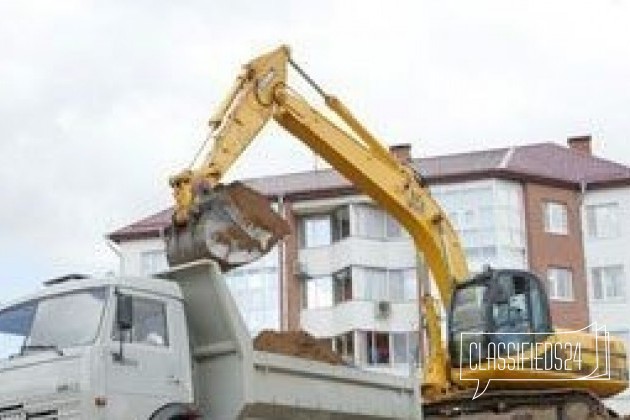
606	240
347	271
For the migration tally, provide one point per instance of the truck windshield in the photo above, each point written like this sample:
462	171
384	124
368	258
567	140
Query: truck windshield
52	323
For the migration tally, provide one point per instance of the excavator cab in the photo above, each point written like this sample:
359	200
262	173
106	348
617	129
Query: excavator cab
497	306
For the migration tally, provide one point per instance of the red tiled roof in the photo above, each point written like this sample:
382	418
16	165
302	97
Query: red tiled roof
149	227
546	163
552	161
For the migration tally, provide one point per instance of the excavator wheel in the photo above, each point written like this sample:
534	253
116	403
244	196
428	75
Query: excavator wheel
230	224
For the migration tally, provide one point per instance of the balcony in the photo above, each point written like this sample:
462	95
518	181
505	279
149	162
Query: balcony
357	251
359	315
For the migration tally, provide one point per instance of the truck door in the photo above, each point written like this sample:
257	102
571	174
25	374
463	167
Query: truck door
149	373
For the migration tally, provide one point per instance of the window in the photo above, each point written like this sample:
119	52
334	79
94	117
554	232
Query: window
15	326
254	287
324	229
381	284
152	262
344	345
318	292
387	349
149	323
489	219
52	321
378	348
556	218
560	283
396	285
392	228
361	283
375	283
342	284
400	351
602	220
411	284
316	231
484	254
608	282
372	222
341	223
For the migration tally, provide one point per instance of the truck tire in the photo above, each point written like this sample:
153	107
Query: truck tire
176	411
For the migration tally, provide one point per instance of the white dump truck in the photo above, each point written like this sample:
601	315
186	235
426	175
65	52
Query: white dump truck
173	347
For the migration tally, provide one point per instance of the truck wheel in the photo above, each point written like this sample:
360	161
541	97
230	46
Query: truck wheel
176	411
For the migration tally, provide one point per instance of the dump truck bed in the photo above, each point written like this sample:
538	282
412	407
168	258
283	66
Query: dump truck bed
283	387
233	381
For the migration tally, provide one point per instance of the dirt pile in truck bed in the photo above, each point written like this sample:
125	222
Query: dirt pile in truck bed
296	343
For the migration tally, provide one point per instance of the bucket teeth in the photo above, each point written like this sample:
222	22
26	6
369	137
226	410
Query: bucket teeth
232	225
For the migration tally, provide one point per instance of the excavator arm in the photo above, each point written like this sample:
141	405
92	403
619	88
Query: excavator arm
243	113
261	93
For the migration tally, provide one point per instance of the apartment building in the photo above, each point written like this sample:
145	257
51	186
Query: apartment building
606	240
347	270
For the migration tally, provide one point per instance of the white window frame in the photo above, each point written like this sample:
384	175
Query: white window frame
342	347
552	280
553	210
604	296
325	218
152	261
130	336
410	349
593	228
389	229
323	298
360	284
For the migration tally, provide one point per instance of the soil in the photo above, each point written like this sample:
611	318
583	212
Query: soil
298	344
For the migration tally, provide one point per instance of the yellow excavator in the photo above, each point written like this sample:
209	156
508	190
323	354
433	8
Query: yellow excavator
488	314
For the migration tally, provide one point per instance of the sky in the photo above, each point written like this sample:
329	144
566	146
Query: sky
101	101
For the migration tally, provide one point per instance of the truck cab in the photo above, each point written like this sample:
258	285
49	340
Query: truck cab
174	347
64	352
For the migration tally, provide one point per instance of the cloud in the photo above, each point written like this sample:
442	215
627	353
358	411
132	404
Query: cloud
102	101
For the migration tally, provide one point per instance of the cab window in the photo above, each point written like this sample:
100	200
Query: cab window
149	325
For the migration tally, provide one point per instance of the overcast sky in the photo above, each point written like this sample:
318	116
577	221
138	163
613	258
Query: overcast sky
101	101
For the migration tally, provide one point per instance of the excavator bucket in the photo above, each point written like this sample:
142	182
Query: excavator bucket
231	224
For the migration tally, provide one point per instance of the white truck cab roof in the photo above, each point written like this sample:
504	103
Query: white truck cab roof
145	284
